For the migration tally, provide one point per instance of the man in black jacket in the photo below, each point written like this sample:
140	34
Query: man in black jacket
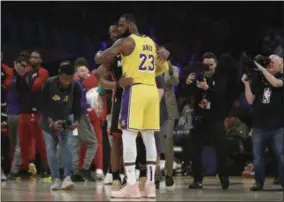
210	109
60	113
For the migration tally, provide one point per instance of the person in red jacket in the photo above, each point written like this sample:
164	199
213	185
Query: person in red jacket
28	84
5	78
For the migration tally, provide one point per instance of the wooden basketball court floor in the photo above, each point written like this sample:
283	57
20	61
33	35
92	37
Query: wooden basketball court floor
86	191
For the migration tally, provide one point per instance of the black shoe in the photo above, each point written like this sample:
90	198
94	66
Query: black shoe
257	187
22	174
12	176
77	178
225	183
45	173
86	174
196	185
169	181
157	184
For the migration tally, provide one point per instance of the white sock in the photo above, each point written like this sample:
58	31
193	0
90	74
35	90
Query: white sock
151	173
130	173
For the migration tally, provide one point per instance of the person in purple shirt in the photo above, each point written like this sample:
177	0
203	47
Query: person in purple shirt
85	133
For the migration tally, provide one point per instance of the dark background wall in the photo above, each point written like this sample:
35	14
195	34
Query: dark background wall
71	29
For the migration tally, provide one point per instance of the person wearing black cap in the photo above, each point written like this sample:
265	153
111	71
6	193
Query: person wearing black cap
60	109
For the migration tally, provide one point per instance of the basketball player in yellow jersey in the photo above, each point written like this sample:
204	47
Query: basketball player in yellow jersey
140	104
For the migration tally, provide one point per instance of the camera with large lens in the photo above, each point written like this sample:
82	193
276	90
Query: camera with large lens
262	60
199	69
249	67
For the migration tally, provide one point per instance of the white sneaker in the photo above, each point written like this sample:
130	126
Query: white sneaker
56	184
67	184
108	179
3	176
100	174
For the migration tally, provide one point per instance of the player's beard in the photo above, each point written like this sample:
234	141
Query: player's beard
127	33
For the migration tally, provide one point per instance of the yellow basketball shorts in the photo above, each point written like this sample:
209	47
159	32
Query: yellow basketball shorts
140	108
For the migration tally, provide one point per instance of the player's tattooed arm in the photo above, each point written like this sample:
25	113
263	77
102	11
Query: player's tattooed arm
122	46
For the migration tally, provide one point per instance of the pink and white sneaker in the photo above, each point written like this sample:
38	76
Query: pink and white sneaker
150	190
128	191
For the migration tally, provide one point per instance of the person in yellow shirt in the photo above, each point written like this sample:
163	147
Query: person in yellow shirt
140	104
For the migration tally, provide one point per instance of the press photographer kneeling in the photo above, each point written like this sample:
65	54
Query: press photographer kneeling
208	89
264	90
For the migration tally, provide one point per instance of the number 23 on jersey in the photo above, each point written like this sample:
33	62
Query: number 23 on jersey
147	62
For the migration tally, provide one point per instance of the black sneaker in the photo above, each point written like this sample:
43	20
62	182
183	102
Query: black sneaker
12	176
196	185
77	178
86	174
257	187
225	183
45	173
22	175
169	181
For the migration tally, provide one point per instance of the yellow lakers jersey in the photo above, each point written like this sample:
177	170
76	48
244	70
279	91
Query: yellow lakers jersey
141	63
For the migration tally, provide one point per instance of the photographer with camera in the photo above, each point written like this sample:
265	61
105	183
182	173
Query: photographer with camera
210	107
60	98
264	90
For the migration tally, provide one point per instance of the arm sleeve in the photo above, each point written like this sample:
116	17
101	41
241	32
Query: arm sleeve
76	107
39	80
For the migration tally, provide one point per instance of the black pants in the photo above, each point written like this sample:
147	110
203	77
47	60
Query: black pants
216	134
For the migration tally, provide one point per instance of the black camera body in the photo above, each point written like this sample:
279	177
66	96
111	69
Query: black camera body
66	124
249	67
262	60
199	69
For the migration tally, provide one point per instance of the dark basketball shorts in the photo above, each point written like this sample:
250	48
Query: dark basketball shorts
114	129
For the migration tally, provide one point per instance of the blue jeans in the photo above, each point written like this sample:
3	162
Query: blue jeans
65	146
260	139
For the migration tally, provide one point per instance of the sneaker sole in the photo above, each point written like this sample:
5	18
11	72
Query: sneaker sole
127	197
55	189
68	188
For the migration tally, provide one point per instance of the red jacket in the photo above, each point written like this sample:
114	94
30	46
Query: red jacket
29	87
9	75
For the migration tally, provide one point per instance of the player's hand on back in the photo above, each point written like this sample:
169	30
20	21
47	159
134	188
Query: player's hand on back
125	82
